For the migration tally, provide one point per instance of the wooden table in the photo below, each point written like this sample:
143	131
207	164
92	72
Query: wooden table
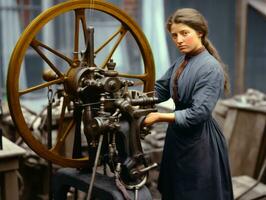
244	127
9	164
242	183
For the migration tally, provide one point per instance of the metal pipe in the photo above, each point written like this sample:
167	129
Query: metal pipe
49	138
95	166
89	52
136	193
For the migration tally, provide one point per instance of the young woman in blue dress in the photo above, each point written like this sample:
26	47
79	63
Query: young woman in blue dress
195	160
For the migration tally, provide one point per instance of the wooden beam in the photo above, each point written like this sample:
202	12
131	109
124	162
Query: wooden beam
240	52
241	38
259	5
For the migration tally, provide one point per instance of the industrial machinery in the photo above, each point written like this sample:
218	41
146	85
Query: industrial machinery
94	100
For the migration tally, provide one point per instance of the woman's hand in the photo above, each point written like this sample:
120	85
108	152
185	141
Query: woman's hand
151	118
154	117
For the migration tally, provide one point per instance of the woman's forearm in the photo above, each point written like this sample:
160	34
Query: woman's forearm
158	117
166	117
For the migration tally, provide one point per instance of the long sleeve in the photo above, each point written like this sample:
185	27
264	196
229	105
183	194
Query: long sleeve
162	86
206	92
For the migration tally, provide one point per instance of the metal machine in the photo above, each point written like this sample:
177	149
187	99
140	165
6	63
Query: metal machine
96	100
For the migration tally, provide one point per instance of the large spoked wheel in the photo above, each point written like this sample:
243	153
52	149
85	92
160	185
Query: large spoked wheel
30	40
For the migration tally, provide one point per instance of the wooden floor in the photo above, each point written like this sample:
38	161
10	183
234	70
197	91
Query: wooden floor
243	183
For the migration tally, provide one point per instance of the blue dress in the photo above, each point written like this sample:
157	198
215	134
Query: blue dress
195	161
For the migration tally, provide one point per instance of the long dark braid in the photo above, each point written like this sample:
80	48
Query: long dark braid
195	20
212	50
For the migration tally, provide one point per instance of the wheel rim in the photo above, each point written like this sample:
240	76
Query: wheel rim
27	39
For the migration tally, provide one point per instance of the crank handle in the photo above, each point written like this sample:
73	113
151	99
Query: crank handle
143	170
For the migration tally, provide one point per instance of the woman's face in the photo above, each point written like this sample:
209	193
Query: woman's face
186	39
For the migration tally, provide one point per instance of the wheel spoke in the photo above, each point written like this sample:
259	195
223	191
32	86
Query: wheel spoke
57	53
84	26
34	44
79	16
123	32
142	77
41	86
61	123
120	30
62	115
62	135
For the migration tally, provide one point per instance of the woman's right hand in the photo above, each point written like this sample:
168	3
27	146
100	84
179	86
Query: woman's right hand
151	118
154	117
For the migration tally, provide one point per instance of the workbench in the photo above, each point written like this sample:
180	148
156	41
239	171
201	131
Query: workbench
9	165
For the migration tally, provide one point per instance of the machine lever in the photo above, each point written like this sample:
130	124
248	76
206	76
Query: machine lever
143	170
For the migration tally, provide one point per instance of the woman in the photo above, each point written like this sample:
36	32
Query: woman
195	161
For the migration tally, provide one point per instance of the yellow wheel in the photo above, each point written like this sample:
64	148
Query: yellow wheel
30	40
